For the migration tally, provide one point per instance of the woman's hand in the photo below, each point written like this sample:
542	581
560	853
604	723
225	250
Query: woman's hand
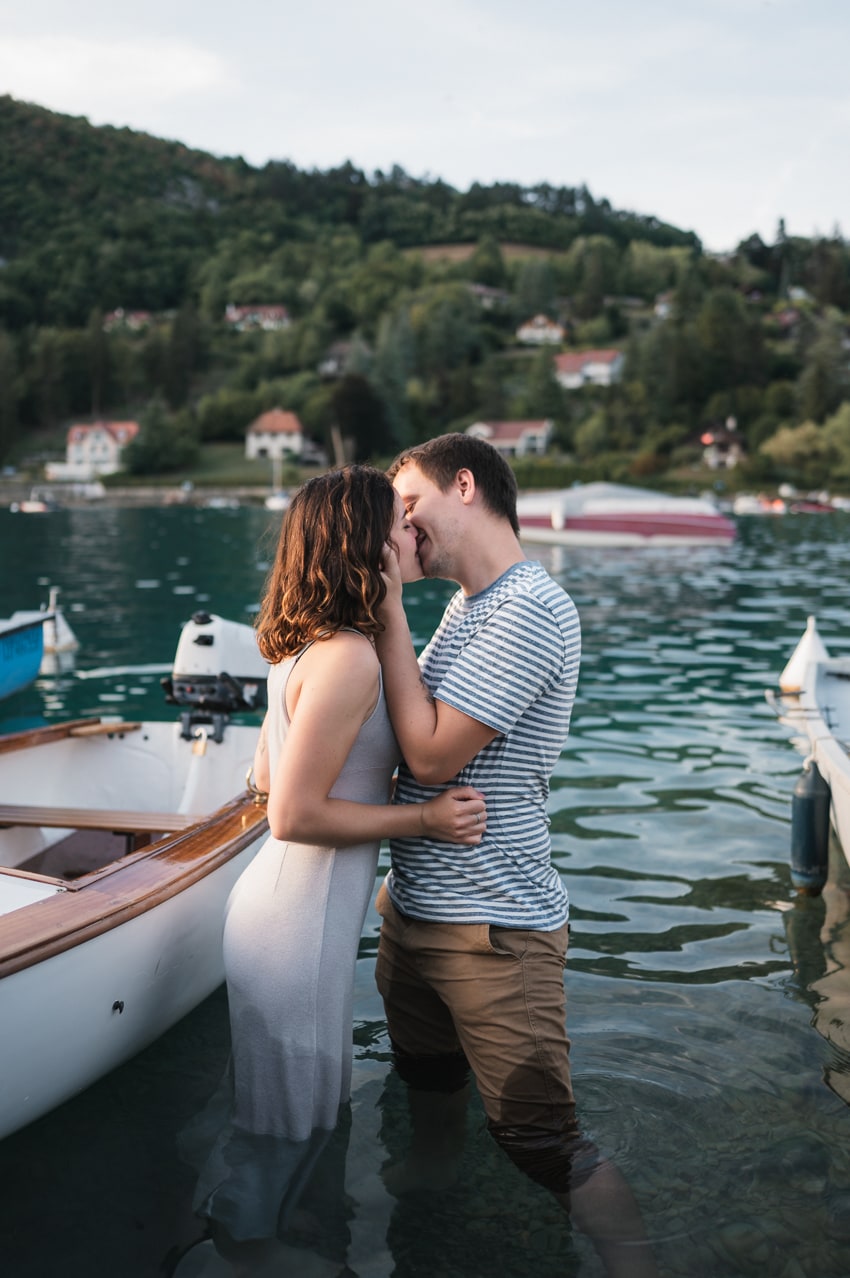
458	815
391	571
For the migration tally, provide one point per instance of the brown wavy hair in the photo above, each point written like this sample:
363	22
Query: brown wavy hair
327	570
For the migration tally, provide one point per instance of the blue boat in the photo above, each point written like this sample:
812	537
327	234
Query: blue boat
21	652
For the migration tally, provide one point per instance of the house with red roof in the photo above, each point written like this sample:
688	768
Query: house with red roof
515	438
269	319
92	450
588	368
540	331
279	436
275	434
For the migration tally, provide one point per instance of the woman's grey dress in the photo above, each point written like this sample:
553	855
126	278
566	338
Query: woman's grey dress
292	931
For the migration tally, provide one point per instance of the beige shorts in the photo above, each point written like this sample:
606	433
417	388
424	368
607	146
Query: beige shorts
494	993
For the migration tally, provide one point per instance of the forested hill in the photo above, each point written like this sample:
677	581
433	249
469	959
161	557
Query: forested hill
92	218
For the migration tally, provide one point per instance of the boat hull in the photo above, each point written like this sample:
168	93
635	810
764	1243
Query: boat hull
815	704
96	965
21	652
616	515
92	1007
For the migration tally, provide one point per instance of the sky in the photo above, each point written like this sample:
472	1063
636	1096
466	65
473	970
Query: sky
718	116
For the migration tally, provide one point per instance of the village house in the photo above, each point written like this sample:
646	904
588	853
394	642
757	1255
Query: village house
92	450
134	321
722	446
574	369
515	439
275	434
269	319
664	303
489	298
336	360
540	331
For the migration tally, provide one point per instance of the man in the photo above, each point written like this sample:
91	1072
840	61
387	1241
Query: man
473	941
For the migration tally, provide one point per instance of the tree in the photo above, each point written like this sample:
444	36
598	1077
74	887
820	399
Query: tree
9	394
181	355
163	443
487	266
824	381
535	288
394	365
99	361
360	416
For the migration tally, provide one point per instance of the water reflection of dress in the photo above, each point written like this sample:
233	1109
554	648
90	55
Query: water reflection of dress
292	931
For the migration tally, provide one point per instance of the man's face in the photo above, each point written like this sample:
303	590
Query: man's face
436	517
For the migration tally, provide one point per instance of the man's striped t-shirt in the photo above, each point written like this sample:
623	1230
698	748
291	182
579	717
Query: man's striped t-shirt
508	657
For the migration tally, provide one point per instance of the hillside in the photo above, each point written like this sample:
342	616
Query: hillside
400	306
102	217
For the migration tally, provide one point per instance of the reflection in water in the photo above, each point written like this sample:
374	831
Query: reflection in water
272	1205
707	1005
818	930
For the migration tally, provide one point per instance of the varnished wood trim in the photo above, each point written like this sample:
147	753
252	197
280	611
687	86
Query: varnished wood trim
41	736
101	729
125	889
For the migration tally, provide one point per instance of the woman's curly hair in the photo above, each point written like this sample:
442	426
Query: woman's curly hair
326	575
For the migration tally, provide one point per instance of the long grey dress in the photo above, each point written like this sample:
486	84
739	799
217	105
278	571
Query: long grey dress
291	936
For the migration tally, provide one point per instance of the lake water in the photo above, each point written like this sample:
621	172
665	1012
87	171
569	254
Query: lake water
709	1008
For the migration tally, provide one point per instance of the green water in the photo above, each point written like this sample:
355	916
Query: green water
709	1010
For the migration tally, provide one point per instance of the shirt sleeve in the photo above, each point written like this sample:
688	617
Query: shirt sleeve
511	659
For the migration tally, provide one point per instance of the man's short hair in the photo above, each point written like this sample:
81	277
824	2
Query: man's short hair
440	460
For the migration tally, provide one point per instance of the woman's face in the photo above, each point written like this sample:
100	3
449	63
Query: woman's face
403	537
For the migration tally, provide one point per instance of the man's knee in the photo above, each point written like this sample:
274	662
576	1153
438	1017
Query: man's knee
448	1072
558	1158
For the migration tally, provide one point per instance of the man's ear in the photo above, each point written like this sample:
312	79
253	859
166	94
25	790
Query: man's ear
465	481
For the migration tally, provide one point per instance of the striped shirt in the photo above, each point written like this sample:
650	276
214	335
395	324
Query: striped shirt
508	657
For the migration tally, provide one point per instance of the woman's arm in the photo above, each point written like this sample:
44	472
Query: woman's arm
262	773
336	690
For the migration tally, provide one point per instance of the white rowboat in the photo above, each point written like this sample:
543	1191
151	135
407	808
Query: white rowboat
119	844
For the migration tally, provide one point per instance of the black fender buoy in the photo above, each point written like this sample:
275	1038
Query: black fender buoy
810	831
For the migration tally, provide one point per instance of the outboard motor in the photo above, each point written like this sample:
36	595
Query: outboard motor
217	670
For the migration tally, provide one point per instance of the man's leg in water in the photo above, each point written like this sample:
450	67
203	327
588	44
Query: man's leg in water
503	990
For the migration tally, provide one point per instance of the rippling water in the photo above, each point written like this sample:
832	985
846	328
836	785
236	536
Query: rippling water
709	1008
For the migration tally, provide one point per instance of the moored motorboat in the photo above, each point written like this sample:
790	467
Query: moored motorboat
21	652
119	844
815	704
60	644
618	515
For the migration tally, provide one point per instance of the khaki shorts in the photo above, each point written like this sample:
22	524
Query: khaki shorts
494	993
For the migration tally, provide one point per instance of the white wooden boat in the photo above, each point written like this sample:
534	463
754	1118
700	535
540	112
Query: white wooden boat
603	514
119	844
815	703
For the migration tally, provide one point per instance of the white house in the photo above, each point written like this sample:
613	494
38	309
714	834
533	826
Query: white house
275	434
515	439
268	318
92	450
540	331
722	446
588	368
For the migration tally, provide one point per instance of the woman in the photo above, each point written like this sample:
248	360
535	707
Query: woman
326	756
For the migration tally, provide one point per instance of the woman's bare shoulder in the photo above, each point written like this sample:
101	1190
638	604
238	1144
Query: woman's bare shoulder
347	650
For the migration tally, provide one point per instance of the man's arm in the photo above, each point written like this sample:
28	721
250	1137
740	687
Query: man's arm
436	740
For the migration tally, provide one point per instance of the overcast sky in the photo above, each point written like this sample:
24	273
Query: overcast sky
720	116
